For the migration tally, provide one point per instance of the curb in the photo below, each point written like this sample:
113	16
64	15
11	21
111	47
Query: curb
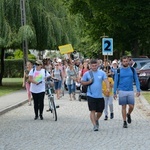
9	108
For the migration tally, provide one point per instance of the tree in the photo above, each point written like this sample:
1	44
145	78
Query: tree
48	26
127	22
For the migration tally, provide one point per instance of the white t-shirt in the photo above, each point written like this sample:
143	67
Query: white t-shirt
38	76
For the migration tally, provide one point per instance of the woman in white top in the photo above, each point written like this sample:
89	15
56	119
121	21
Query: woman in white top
37	78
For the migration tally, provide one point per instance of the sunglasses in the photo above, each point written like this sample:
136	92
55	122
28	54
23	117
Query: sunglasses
37	64
56	65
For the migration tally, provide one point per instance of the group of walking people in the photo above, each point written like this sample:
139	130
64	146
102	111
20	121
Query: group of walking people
123	86
104	81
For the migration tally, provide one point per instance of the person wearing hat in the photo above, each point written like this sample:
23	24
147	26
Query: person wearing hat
114	68
37	77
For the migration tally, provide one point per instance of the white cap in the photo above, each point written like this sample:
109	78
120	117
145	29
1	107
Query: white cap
59	60
114	62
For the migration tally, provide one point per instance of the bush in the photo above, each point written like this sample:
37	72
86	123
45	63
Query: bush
13	68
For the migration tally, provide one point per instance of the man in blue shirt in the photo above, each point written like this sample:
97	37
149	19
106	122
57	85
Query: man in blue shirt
93	79
123	84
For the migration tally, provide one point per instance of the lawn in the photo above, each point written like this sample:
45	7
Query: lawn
10	85
146	95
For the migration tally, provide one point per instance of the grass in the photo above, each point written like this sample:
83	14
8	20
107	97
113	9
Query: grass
147	96
10	85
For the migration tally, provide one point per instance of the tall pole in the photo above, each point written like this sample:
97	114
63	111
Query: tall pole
25	42
104	36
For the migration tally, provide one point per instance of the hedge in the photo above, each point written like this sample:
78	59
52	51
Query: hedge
13	68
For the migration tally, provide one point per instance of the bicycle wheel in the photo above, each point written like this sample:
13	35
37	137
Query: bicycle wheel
53	108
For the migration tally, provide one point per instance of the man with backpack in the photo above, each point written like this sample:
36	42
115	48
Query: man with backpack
123	85
93	79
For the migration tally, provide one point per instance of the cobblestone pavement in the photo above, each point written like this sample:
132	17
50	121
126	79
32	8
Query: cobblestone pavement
73	130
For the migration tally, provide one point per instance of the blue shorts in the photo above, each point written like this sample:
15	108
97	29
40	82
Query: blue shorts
126	97
57	85
71	88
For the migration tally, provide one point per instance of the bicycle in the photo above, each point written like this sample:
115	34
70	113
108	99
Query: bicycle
50	94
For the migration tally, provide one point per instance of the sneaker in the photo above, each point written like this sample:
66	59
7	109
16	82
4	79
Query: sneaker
41	117
125	124
111	115
128	118
49	110
36	117
95	128
57	106
106	118
97	123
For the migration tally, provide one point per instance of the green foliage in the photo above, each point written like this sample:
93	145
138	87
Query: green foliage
26	33
127	22
48	24
13	68
30	56
18	54
9	55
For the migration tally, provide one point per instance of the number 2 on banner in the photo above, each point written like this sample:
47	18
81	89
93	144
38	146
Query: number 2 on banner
107	46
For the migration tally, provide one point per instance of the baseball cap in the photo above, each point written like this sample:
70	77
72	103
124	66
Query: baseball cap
114	62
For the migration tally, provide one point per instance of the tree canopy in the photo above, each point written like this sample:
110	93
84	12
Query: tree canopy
48	25
127	22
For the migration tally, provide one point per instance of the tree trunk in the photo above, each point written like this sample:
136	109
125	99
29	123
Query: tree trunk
135	50
2	66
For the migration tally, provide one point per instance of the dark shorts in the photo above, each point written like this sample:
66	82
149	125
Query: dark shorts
96	104
58	85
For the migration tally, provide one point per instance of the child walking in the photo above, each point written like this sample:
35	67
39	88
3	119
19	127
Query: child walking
108	97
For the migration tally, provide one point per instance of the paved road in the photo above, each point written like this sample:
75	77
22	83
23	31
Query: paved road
73	130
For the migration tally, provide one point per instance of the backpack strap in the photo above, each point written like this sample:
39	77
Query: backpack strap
91	74
61	73
33	69
92	77
133	71
45	72
118	73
